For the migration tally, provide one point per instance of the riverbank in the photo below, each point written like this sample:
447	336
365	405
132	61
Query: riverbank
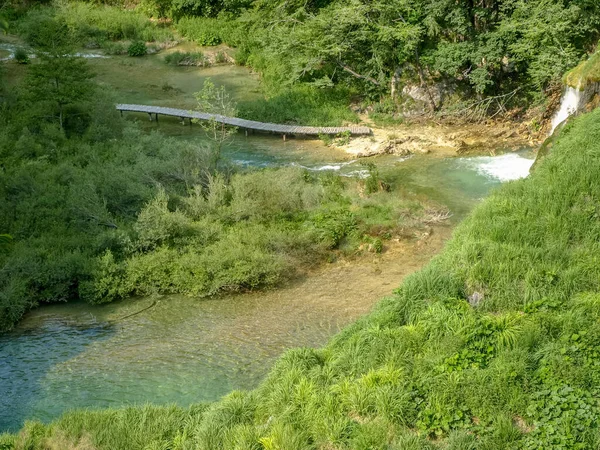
426	136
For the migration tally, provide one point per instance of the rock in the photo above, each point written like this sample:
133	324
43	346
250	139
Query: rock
508	65
417	98
475	299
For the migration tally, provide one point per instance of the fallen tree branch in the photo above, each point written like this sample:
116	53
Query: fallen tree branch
358	75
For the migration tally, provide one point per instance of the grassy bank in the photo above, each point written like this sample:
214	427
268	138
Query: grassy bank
588	72
493	345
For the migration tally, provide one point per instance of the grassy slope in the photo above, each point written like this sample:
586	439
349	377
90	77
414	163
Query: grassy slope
425	369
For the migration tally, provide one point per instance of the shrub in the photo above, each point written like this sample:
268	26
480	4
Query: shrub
221	57
137	49
114	48
21	56
186	59
97	23
303	105
202	30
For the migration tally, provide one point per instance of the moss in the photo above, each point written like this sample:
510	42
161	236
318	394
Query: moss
585	73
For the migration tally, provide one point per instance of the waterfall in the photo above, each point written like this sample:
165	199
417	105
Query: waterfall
569	104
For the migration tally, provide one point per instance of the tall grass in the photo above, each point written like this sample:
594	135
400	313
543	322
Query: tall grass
95	25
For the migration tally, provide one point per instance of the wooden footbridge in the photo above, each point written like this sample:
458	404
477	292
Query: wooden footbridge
242	123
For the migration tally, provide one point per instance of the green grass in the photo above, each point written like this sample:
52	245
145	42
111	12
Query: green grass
425	369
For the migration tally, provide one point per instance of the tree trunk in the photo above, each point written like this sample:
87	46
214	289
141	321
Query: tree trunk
423	83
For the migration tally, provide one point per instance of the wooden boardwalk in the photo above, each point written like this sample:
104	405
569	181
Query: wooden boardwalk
242	123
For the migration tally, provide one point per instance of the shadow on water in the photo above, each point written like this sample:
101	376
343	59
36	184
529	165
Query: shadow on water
28	354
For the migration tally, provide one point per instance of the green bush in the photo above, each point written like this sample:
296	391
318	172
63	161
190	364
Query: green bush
21	56
202	30
137	49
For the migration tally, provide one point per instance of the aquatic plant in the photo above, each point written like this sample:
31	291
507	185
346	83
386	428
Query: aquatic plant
137	49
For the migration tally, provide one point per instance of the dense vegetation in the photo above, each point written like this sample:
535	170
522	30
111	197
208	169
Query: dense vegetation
493	345
484	47
100	211
449	50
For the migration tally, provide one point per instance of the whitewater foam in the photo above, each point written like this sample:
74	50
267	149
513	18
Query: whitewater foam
569	104
505	167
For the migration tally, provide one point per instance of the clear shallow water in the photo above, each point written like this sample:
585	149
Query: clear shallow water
185	350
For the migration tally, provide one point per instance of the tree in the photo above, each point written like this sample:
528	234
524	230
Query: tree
217	102
57	82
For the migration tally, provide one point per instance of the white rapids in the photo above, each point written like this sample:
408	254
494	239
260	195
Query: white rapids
569	104
505	167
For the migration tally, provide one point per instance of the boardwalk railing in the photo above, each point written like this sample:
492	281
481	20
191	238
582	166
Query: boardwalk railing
242	123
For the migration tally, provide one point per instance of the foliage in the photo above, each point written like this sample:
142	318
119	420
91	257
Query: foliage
4	27
216	101
55	84
186	59
90	24
302	105
588	72
101	212
5	241
42	30
482	47
201	30
21	56
137	48
430	367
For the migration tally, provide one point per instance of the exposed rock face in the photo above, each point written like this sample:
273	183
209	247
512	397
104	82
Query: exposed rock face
417	98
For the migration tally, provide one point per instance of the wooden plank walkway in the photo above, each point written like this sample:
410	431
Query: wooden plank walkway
242	123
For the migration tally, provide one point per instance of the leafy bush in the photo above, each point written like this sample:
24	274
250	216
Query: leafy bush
21	56
202	30
137	49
